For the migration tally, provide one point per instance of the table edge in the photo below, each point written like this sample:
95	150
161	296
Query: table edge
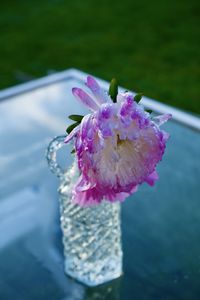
179	116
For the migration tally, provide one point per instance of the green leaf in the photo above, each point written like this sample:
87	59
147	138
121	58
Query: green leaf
113	90
148	110
71	127
138	97
73	151
77	118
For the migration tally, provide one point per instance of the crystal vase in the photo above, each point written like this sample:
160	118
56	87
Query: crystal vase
91	235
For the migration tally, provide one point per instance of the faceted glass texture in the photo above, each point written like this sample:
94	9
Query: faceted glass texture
91	235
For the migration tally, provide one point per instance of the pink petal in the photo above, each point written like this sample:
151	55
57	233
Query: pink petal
97	91
85	126
87	197
84	185
72	134
85	99
152	178
159	120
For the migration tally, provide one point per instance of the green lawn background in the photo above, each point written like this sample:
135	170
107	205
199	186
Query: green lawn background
150	46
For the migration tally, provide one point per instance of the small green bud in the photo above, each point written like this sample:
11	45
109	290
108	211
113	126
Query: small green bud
73	151
77	118
138	97
148	110
113	90
71	127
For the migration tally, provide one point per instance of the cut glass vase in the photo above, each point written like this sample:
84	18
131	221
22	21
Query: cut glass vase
91	235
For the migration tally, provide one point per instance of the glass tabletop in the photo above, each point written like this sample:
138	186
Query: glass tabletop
160	225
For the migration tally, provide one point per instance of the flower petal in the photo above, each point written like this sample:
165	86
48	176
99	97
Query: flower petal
72	134
85	99
118	147
152	178
97	91
85	125
159	120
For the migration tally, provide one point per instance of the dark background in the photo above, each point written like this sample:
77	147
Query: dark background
150	46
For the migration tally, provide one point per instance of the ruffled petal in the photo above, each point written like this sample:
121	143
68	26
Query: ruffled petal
151	179
86	197
118	147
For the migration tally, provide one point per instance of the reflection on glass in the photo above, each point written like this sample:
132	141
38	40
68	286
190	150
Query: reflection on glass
108	291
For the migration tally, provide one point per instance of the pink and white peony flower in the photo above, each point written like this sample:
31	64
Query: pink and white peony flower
118	146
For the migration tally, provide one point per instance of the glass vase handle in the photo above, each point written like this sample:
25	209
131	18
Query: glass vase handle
51	155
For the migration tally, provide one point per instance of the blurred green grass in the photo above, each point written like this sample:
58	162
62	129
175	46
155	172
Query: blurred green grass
150	46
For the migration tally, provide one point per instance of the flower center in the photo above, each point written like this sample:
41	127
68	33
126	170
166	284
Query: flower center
119	142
